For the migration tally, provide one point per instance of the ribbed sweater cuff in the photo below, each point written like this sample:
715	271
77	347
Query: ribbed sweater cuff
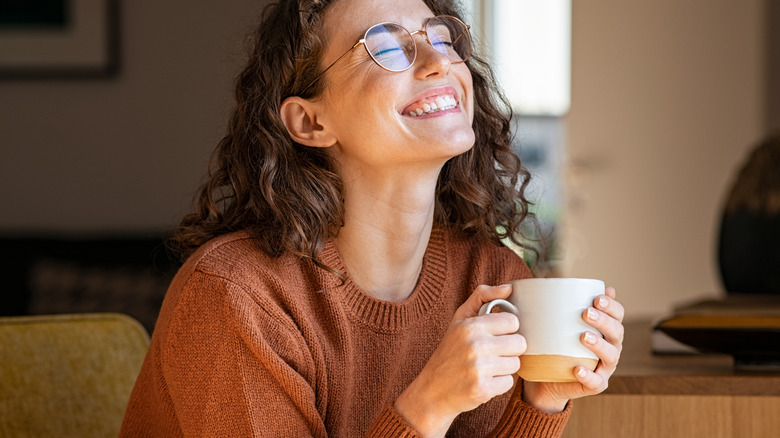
523	420
390	424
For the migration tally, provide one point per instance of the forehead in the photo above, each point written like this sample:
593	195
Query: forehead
346	20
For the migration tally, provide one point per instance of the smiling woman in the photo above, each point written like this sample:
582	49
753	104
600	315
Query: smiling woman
345	239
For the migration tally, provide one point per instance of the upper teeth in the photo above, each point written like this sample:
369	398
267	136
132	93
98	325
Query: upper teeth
440	103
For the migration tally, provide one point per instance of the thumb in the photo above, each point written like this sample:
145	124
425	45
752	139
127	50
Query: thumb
481	295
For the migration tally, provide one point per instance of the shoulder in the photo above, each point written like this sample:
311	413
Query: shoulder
493	263
232	282
227	304
231	271
237	258
232	252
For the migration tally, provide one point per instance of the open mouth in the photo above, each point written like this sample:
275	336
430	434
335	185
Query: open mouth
431	104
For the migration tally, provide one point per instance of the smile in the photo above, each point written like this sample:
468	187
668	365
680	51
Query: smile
432	103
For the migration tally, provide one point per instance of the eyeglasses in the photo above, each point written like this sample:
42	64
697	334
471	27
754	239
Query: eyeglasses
392	46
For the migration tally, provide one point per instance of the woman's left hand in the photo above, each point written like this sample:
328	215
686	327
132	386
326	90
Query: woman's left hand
606	316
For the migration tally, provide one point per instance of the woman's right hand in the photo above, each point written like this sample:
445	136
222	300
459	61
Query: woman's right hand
474	362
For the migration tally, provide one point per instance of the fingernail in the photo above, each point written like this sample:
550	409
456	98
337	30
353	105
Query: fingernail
592	314
590	338
581	372
603	302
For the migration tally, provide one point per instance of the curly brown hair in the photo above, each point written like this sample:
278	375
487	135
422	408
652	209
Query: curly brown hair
289	196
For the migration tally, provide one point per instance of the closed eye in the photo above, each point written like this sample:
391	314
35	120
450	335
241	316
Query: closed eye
391	51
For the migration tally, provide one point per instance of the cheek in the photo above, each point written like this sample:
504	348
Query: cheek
372	107
468	88
367	93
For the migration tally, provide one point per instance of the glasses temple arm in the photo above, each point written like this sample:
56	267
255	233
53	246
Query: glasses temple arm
461	34
362	41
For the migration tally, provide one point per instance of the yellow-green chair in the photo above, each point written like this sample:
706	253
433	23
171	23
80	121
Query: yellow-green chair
67	375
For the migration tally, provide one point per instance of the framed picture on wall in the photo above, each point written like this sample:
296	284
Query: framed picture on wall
58	38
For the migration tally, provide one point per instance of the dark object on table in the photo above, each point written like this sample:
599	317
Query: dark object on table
744	326
746	323
749	244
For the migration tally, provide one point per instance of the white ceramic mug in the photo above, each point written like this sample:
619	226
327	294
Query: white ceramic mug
550	312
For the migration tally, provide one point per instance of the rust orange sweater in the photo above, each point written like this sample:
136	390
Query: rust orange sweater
248	345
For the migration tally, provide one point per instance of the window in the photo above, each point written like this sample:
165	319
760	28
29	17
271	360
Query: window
529	45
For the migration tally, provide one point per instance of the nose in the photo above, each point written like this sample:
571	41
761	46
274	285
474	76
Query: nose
430	62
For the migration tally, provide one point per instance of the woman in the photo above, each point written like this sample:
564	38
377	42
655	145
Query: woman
346	239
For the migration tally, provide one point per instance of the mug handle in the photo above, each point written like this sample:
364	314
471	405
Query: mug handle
504	305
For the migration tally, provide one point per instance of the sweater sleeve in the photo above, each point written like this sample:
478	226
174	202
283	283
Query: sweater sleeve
234	367
521	420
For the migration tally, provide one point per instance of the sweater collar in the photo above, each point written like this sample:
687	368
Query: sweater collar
389	316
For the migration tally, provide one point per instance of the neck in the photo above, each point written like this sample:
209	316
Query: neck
387	226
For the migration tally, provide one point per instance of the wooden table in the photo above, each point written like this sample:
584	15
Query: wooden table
670	396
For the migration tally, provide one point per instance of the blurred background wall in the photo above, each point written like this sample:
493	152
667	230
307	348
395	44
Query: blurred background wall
123	154
667	98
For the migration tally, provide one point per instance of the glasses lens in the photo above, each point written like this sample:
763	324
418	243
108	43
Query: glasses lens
450	36
391	46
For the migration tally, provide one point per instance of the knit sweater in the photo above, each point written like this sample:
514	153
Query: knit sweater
250	345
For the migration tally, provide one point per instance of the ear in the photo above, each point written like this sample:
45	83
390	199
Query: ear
300	118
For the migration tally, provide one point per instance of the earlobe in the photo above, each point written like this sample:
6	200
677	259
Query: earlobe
300	118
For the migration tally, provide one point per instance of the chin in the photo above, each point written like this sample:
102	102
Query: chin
463	141
456	148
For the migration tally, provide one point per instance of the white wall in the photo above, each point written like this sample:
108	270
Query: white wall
667	98
772	53
123	154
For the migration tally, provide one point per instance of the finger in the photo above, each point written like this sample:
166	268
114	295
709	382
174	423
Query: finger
505	366
609	305
481	295
608	354
592	382
488	367
509	345
502	384
502	323
610	328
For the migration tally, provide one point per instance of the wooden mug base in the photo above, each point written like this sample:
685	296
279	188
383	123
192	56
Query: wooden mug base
552	367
